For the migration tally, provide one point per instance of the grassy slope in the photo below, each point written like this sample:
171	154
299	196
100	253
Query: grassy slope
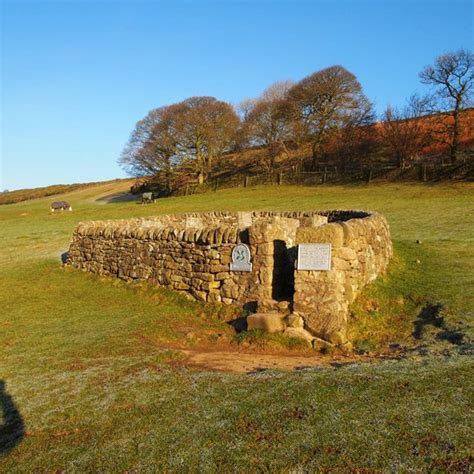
19	195
81	360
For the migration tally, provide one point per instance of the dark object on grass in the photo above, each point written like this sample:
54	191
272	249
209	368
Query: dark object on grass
12	430
147	198
60	206
64	257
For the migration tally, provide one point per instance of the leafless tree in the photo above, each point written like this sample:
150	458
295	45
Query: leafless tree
277	91
325	101
404	132
136	157
452	79
186	136
245	107
266	123
205	129
153	148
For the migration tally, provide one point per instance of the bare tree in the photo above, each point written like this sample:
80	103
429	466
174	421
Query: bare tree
245	107
325	101
136	158
266	123
277	91
184	136
452	79
404	132
205	128
152	150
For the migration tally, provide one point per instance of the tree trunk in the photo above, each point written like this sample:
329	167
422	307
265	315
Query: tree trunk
400	161
314	156
455	141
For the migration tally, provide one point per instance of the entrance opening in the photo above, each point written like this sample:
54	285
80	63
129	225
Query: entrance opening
283	281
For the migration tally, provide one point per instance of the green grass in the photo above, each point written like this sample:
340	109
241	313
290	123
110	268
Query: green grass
85	363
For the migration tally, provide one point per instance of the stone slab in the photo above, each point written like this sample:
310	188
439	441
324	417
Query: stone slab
268	322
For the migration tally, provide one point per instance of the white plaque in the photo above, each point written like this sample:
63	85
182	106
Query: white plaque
314	257
241	259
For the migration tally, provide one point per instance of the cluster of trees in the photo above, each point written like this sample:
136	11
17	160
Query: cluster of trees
326	110
191	135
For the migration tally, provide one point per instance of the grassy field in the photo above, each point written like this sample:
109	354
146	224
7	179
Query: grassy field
94	378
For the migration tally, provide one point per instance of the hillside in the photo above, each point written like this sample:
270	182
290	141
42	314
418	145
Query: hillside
19	195
233	168
371	159
89	360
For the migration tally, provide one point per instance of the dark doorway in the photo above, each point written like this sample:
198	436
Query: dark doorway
283	282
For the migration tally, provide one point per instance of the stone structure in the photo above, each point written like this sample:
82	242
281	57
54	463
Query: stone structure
193	252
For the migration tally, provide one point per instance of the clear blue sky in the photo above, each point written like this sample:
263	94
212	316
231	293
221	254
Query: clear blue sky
77	75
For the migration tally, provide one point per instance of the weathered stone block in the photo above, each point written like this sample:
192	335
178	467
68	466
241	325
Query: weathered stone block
346	253
322	346
329	233
299	333
214	297
217	268
222	276
268	322
294	321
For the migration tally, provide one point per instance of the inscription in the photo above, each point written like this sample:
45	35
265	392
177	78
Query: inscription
314	257
241	259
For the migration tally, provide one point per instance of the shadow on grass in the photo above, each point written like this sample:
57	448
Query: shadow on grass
117	198
431	315
64	257
12	431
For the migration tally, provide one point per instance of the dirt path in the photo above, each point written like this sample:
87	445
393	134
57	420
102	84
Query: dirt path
242	362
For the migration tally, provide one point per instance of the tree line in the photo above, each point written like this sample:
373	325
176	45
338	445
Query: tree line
326	112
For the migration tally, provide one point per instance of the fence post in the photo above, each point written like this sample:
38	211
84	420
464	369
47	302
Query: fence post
280	178
423	172
186	190
246	181
216	184
369	176
325	175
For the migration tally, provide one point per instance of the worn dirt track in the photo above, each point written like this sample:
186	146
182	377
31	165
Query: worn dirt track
243	362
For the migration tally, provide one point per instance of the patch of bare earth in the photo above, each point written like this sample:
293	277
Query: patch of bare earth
238	361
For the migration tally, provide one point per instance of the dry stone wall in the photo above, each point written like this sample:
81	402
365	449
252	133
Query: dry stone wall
192	253
361	250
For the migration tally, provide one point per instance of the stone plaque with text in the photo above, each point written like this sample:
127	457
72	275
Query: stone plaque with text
241	259
314	257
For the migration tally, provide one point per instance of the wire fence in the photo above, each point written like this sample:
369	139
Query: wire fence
423	172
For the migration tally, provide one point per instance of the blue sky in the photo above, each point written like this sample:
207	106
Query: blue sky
77	75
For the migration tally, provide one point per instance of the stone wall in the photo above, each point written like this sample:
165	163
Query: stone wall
191	253
361	250
185	258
